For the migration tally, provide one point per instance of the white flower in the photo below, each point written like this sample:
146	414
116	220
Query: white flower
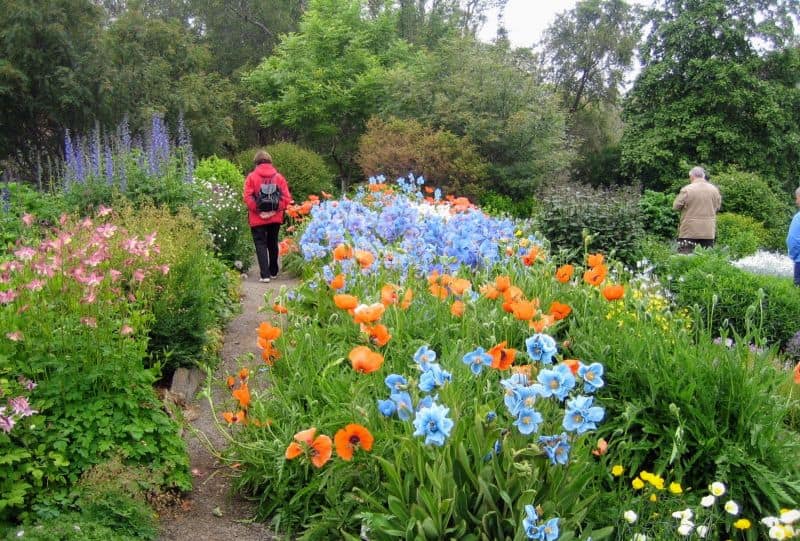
769	522
707	501
684	515
732	507
702	531
717	488
685	528
777	532
630	516
639	537
790	517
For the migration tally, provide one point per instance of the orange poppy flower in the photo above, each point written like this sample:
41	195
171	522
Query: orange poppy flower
457	308
559	310
532	255
438	291
279	309
231	381
368	313
429	190
364	258
345	302
434	277
325	194
269	354
595	260
613	292
564	273
796	373
337	282
407	298
244	373
321	451
342	251
268	332
232	418
524	310
502	357
350	437
502	283
379	334
490	291
595	275
364	360
459	286
513	294
389	294
242	394
306	436
601	449
573	364
544	321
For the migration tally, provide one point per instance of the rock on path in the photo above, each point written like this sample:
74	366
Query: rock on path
211	512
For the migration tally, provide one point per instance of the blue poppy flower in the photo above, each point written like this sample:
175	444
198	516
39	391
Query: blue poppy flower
580	416
491	416
402	402
387	407
433	377
424	357
477	359
427	402
541	347
529	523
433	424
592	376
551	529
498	447
528	420
556	448
557	382
395	382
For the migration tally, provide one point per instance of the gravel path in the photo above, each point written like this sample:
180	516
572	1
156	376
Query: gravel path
211	512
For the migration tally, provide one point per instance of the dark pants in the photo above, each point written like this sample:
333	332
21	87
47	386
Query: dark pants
796	273
265	237
686	246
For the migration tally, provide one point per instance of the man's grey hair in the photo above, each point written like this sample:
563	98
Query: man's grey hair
797	192
697	172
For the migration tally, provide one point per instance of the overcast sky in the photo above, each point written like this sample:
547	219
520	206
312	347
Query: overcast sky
526	20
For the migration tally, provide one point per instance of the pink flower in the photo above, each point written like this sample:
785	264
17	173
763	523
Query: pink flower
90	297
15	336
21	406
96	258
7	296
89	322
63	219
93	279
104	211
43	269
126	330
86	223
115	274
131	297
164	269
27	219
34	285
25	253
138	275
6	423
106	231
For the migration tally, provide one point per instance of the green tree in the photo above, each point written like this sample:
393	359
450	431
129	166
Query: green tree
157	66
324	82
720	85
426	23
588	49
49	74
483	92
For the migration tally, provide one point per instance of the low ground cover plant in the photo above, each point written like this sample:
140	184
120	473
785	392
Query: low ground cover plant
442	375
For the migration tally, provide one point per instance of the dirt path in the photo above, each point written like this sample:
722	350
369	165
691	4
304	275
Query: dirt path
211	512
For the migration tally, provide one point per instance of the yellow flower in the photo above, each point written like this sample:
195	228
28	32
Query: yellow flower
653	497
742	524
675	488
657	481
617	470
638	484
645	475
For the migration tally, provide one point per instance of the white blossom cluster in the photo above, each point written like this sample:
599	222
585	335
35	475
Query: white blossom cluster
763	262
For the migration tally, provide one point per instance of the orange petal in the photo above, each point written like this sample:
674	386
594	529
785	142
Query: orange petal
293	451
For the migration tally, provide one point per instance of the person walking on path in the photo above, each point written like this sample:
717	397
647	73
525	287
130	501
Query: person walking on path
265	225
793	239
698	203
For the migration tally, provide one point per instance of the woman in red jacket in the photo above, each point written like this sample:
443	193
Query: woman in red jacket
265	225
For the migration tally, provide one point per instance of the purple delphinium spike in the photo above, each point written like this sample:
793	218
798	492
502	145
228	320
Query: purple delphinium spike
80	169
94	152
124	134
108	162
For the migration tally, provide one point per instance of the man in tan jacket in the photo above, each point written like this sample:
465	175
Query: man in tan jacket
698	202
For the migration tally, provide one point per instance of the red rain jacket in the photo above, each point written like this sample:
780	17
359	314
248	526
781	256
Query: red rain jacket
263	174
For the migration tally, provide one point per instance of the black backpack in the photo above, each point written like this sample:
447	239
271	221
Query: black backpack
268	197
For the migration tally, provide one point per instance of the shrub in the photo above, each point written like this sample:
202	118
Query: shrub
224	216
220	171
659	218
742	235
397	147
186	306
497	203
749	195
732	294
305	170
612	218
